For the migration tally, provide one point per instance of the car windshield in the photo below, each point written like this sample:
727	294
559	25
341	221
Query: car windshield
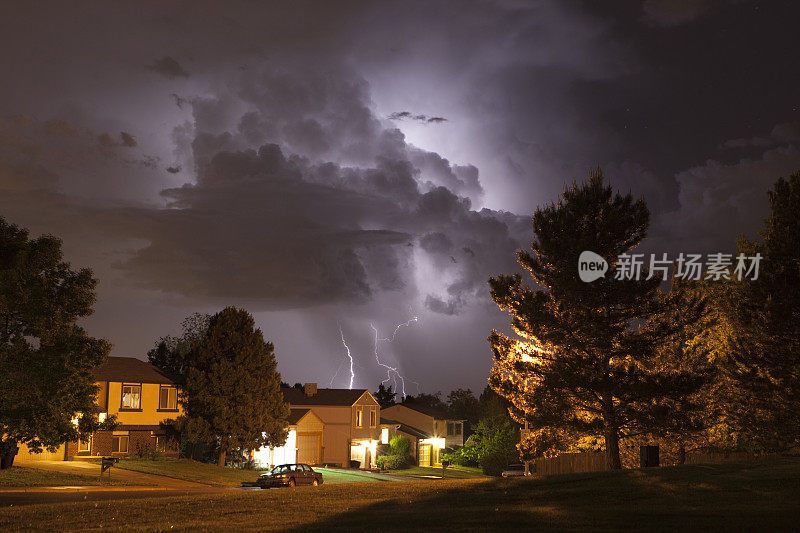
280	469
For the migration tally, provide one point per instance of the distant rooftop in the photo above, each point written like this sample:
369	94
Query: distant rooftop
346	397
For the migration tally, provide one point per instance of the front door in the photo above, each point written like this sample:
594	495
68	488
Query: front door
424	455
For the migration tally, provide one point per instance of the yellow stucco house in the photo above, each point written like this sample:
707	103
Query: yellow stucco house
140	396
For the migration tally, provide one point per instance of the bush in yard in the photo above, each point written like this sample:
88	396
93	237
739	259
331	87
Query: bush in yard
400	446
148	451
493	464
392	462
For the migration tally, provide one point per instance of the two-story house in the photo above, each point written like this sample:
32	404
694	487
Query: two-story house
329	426
429	429
141	397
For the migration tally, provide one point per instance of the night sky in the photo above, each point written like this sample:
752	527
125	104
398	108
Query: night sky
348	164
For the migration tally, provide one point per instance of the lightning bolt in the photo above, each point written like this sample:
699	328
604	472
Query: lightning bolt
349	355
392	373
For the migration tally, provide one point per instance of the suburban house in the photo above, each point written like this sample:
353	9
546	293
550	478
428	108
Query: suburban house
329	426
429	429
140	396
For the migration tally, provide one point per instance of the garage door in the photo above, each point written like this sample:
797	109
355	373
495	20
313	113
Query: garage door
25	456
308	445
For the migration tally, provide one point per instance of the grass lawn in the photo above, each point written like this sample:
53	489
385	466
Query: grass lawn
23	476
757	496
452	472
189	470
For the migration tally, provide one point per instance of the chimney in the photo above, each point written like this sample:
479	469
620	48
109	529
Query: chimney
310	389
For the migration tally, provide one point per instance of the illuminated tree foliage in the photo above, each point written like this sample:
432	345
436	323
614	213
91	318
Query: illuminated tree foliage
46	361
587	358
232	390
757	336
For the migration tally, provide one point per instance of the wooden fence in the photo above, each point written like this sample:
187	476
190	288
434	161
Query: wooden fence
713	457
570	463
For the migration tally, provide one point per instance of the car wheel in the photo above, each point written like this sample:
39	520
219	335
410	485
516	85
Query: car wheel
316	482
292	482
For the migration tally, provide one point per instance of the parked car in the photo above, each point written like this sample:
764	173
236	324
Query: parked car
514	471
289	476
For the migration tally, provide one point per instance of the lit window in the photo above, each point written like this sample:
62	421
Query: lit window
131	396
385	436
359	420
119	444
168	398
372	417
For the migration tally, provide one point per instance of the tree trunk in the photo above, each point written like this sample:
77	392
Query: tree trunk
8	451
221	461
682	455
611	434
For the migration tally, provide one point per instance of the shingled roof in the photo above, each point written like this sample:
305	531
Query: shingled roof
342	397
129	370
296	415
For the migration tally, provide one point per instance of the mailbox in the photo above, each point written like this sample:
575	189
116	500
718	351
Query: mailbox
106	463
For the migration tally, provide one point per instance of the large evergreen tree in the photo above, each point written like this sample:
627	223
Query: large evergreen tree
586	360
757	335
232	389
46	360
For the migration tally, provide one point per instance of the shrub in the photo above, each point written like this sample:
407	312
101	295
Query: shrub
493	464
400	445
392	462
148	451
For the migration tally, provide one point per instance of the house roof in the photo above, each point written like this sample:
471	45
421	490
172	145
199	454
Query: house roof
296	415
343	397
436	412
405	428
129	370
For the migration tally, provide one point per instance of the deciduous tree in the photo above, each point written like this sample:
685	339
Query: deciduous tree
47	387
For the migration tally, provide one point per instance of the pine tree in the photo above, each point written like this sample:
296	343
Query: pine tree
758	331
385	396
585	361
46	360
232	395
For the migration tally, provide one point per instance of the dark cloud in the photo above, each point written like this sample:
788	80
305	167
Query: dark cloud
168	67
401	115
290	184
674	12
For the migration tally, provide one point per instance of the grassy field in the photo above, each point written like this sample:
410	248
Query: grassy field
758	496
23	476
191	471
452	472
229	477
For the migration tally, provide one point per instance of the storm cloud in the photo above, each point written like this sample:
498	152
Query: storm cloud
345	164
